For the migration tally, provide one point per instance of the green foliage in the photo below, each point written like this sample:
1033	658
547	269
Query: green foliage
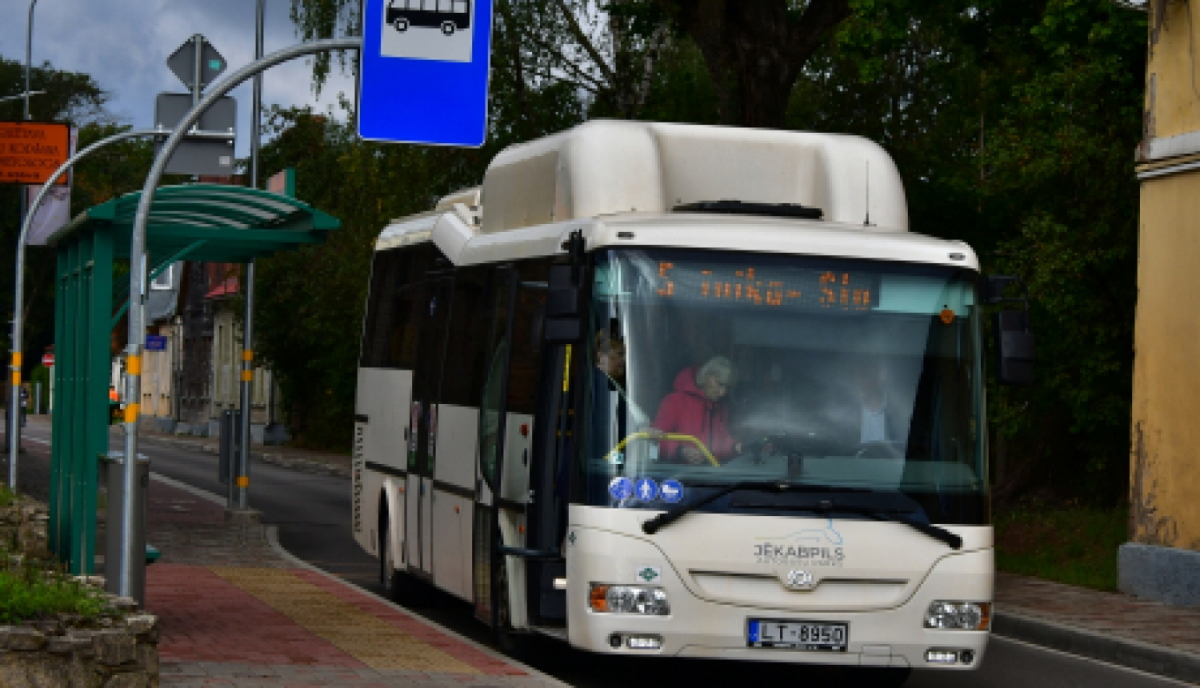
6	496
1013	126
30	592
1069	544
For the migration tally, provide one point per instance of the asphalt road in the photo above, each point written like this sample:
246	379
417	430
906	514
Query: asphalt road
313	516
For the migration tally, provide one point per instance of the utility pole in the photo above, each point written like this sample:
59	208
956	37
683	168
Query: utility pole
14	397
247	384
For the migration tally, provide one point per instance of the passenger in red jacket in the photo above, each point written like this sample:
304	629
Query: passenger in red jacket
698	407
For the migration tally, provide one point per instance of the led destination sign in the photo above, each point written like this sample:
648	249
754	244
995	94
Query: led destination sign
769	287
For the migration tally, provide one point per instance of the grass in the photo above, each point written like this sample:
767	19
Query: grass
1075	545
6	496
30	592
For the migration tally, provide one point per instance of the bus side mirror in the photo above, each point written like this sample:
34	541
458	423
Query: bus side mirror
1014	348
563	308
1014	341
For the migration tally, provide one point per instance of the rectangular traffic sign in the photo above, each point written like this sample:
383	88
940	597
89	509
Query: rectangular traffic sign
203	156
156	342
423	71
31	151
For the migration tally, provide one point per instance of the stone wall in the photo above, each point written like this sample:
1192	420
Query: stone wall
118	649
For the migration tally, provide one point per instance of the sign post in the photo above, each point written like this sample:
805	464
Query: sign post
423	71
197	64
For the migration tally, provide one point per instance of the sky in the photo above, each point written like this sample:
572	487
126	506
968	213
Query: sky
124	45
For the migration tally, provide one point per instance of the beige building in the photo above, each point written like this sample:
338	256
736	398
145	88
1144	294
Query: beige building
1162	561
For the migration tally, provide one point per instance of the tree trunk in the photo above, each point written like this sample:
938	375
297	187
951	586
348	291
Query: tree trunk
755	51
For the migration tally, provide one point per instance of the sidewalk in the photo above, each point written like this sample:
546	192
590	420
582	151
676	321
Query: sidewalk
307	460
236	610
1110	627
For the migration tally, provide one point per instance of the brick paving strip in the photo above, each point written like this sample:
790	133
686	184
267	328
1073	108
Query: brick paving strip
236	610
1111	627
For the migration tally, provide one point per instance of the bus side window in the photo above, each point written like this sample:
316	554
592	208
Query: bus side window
466	355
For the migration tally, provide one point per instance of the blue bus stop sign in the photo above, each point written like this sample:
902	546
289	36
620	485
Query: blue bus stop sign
423	71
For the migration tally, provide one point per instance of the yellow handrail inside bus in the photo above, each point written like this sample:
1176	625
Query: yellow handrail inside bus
670	436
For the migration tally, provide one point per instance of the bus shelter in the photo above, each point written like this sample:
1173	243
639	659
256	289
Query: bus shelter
204	222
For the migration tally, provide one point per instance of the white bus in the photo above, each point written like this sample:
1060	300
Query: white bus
686	391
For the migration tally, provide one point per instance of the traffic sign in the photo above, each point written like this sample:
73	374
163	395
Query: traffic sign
198	156
31	151
183	62
48	359
423	71
156	342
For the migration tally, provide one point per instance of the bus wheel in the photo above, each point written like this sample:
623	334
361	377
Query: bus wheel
448	28
400	24
398	586
881	678
516	645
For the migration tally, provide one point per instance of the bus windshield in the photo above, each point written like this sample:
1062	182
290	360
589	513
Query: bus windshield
834	375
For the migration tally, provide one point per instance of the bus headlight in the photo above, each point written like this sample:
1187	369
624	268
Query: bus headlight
628	599
958	616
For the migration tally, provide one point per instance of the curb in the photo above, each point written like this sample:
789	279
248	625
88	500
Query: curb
273	540
272	533
1152	659
302	465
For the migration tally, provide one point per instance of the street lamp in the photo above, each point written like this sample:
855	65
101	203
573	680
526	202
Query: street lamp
28	49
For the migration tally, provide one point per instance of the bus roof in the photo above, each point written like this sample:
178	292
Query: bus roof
608	167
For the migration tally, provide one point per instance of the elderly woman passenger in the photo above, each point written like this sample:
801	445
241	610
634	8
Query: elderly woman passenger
698	407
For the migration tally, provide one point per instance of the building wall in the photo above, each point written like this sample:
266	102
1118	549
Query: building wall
1162	559
1165	473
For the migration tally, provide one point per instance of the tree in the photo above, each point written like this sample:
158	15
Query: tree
756	49
71	97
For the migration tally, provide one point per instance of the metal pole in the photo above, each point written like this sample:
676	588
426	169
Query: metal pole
28	52
197	67
19	287
137	278
243	472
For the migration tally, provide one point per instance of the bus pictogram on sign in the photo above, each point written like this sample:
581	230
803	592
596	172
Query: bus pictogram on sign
427	29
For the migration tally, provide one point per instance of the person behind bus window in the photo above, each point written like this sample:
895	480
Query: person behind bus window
698	406
612	409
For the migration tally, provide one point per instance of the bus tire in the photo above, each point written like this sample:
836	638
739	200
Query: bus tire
881	678
398	586
517	645
400	25
448	28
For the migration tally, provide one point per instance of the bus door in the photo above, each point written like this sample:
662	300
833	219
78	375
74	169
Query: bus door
497	325
427	376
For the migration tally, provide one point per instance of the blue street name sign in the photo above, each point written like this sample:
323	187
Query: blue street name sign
423	71
156	342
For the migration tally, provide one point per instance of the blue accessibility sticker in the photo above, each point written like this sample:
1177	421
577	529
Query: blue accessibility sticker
671	491
753	632
646	489
620	488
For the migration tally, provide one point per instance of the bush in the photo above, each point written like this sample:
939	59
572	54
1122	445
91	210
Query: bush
31	592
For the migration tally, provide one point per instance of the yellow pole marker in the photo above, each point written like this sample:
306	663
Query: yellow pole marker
247	376
567	370
243	481
16	358
133	365
16	367
247	354
131	413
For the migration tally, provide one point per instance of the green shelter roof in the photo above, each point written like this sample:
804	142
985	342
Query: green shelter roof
211	222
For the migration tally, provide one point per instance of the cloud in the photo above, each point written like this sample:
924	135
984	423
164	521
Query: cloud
124	45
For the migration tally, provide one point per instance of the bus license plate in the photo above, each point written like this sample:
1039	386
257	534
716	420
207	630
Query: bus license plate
798	635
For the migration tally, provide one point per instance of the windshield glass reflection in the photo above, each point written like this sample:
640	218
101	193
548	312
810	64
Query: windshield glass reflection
709	369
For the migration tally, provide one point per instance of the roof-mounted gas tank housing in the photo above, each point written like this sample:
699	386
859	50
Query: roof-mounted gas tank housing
608	167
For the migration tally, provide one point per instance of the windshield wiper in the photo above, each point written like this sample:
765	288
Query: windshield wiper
893	515
888	514
666	518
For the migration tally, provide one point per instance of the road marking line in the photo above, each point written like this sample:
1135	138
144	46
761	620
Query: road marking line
36	439
202	494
